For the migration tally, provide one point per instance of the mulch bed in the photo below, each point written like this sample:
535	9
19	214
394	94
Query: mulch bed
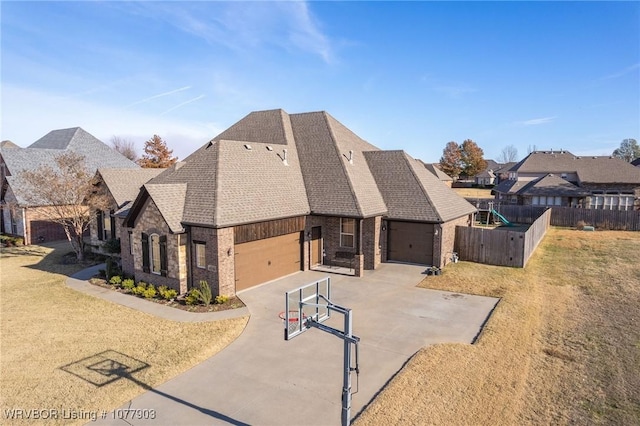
232	303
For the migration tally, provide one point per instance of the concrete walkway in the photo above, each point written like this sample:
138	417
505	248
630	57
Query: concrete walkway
262	380
79	282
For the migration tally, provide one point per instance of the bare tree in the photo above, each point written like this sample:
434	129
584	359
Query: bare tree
124	147
508	154
532	148
66	193
628	151
156	154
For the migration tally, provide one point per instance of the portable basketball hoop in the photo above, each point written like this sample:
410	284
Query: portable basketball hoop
292	321
312	303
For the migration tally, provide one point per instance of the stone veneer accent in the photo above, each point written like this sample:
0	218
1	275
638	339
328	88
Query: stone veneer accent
150	222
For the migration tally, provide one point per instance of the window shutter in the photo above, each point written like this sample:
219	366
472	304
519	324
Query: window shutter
163	255
100	227
113	224
145	252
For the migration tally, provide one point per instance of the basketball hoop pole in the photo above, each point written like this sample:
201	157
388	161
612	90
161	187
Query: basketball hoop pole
349	339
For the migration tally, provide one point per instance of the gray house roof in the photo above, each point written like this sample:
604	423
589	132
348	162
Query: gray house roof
605	170
552	185
273	165
46	149
411	192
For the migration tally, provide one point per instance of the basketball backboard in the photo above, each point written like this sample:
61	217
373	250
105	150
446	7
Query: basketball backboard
306	303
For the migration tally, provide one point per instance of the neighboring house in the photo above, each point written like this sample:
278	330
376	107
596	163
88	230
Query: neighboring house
502	172
121	186
442	176
20	218
277	193
487	177
559	178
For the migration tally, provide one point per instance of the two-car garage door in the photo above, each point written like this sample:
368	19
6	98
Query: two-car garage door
410	242
267	259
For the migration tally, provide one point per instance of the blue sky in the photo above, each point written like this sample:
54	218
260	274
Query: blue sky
402	75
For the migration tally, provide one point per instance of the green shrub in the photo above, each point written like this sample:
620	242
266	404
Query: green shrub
167	293
128	284
142	284
138	290
192	298
116	280
221	299
112	246
150	292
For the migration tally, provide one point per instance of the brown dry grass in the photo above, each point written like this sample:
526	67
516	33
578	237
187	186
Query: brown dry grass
44	326
474	192
562	346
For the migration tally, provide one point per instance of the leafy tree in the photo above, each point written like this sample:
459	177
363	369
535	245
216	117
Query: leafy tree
156	154
629	150
67	194
509	153
472	159
451	161
124	147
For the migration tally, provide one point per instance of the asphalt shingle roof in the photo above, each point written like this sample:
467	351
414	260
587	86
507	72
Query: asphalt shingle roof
170	200
552	185
46	149
589	169
435	170
413	193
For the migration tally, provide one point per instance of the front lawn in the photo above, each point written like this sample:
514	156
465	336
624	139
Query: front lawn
64	350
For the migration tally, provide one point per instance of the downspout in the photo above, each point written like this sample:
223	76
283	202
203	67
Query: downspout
360	236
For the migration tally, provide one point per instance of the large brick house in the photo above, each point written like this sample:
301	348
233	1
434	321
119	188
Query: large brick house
559	178
278	193
18	216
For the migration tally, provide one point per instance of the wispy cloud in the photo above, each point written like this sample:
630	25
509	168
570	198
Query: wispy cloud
171	92
242	26
537	121
180	105
622	72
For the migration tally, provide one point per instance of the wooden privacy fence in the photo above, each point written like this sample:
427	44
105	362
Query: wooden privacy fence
501	247
570	216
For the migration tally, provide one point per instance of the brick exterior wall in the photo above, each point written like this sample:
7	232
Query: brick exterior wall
446	238
150	221
371	242
126	258
219	271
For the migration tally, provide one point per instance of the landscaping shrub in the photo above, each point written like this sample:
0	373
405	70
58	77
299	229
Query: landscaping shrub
192	298
204	293
116	280
128	284
150	292
112	246
139	290
167	293
221	299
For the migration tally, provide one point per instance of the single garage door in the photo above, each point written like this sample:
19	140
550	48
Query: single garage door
410	242
264	260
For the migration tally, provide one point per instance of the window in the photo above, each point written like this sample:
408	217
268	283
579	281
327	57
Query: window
154	254
201	255
558	201
106	225
347	232
536	200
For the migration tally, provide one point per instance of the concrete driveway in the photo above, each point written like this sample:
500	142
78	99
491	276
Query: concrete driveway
262	380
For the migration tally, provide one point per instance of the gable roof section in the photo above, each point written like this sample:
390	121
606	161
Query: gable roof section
411	192
124	184
258	126
170	200
8	144
338	182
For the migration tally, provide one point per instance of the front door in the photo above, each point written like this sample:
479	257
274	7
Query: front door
316	246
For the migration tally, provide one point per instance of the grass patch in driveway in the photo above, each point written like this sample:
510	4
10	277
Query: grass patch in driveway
61	349
562	346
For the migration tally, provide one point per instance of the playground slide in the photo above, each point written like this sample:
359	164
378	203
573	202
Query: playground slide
502	218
